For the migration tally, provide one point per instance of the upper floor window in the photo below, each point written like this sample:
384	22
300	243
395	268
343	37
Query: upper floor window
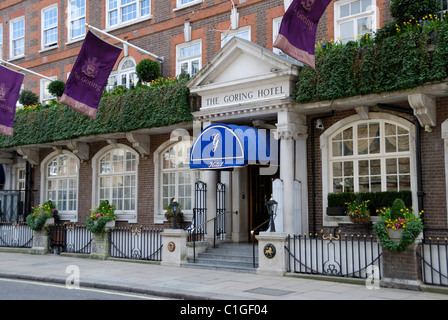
17	38
49	27
353	19
370	156
76	19
185	3
243	33
188	58
45	95
124	76
123	11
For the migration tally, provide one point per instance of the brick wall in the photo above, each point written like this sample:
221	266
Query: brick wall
158	35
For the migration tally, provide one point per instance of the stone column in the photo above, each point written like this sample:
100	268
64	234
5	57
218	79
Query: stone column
211	178
41	238
401	270
290	126
101	245
174	247
272	257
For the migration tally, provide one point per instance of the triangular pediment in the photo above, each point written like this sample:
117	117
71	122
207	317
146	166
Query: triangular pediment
239	62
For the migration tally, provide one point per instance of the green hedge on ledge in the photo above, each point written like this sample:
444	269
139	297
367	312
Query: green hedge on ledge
385	64
152	107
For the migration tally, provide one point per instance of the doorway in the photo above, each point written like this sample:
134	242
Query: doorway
260	190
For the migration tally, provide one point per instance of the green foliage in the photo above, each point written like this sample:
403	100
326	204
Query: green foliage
100	216
40	214
28	98
147	70
399	57
398	217
56	88
396	211
377	199
405	10
151	107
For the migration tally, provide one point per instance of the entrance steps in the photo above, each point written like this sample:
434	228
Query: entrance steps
227	256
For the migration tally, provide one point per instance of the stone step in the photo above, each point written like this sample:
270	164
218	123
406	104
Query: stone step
234	257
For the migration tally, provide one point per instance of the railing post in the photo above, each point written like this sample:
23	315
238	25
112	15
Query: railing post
272	253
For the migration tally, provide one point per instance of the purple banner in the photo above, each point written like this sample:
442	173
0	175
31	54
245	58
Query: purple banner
10	83
297	35
89	75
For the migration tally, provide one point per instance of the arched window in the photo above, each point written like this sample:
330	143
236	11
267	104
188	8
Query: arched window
117	180
174	178
370	156
60	183
124	76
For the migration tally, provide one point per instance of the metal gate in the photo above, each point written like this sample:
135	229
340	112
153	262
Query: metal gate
198	226
433	254
220	210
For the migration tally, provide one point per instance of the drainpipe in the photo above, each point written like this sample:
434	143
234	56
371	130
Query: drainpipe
313	166
418	155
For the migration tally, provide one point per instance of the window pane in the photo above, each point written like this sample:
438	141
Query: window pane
129	13
364	26
145	7
347	31
356	7
366	4
344	10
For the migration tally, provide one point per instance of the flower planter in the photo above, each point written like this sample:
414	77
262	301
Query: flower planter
49	222
110	224
336	211
395	235
360	220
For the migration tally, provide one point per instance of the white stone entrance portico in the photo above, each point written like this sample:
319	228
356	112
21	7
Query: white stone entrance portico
245	84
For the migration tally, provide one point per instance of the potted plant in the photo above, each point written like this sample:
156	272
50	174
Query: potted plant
170	214
102	217
42	215
358	211
398	227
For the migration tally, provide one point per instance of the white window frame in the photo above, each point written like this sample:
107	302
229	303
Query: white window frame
326	152
52	45
118	75
43	90
71	215
372	11
70	21
12	39
139	17
228	35
122	215
180	5
189	59
275	31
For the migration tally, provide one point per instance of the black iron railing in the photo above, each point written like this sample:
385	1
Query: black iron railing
341	255
141	243
15	235
70	237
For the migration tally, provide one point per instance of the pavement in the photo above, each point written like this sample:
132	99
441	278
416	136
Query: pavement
192	283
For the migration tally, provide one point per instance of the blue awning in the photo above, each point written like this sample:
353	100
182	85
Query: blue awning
222	146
